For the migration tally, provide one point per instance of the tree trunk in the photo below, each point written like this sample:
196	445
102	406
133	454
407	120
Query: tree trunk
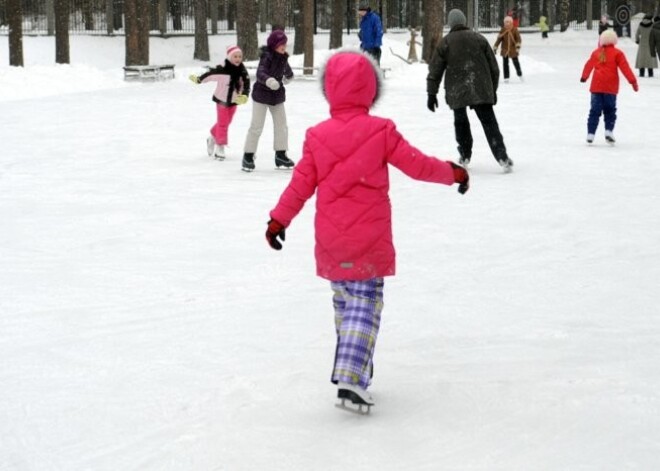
136	14
201	32
279	10
50	16
88	17
246	29
15	22
263	15
337	24
308	41
413	18
432	26
214	17
176	15
62	31
231	15
299	27
144	22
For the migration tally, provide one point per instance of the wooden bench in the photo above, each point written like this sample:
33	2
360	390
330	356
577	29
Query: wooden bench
149	72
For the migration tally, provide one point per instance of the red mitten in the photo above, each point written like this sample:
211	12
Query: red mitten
461	177
275	230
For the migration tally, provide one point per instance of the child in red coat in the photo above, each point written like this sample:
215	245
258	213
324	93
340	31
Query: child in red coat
605	62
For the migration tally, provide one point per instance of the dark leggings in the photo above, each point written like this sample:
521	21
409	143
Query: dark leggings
505	66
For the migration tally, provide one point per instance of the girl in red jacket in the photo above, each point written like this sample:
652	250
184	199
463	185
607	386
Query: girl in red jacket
345	162
605	62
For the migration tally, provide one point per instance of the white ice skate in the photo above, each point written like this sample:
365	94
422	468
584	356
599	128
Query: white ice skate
219	152
210	145
609	137
359	400
590	138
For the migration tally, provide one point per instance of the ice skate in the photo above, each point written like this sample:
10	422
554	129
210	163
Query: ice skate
248	162
210	145
464	160
590	138
609	137
219	152
506	164
354	399
281	160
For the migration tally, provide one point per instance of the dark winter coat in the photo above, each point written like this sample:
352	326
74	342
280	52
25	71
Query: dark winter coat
654	38
472	73
235	80
510	40
276	65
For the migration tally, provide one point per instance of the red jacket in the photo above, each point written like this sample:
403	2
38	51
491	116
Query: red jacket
346	163
606	72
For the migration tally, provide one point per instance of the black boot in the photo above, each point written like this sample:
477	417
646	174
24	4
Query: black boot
248	162
281	159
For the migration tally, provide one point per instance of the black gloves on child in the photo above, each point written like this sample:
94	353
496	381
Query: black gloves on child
461	177
275	230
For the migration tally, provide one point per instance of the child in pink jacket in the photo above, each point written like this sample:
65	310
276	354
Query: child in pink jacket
345	162
232	87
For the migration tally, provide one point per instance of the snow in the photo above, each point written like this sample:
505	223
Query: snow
146	324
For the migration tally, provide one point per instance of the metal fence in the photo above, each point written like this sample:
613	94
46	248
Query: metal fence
176	16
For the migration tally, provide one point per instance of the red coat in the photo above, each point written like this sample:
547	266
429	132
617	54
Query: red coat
346	163
606	73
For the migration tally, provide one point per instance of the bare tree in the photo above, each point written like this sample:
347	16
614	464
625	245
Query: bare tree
201	32
337	24
246	29
299	27
308	42
62	31
432	26
279	10
136	13
15	22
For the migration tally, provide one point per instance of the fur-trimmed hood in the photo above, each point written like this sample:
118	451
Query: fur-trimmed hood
351	80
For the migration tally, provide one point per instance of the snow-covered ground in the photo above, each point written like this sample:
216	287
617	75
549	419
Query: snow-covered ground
146	325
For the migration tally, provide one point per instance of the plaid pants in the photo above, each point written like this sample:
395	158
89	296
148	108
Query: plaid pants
358	305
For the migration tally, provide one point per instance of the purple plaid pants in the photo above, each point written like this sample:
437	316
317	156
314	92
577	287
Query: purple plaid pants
358	305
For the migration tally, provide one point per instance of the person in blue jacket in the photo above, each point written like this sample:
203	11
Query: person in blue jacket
371	31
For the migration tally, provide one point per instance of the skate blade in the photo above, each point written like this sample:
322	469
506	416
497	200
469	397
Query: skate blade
283	168
248	170
359	409
220	157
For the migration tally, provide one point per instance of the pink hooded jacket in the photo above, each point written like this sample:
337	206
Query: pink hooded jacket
345	161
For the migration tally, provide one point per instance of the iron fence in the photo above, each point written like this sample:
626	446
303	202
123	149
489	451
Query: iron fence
177	16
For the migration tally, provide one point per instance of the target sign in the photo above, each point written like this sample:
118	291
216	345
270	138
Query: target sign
622	15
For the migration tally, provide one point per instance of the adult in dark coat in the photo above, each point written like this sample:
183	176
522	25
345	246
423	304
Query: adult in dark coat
654	37
471	73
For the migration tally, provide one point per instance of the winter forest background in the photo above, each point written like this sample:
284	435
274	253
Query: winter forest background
140	19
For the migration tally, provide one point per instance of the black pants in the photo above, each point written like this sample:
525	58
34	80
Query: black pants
641	72
375	53
488	120
505	66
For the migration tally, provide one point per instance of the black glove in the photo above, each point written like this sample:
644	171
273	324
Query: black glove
275	230
583	80
494	98
432	103
461	177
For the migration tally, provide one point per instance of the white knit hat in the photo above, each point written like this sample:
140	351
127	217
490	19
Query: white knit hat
608	37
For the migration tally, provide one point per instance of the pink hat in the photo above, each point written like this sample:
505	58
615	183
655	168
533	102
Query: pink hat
233	49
